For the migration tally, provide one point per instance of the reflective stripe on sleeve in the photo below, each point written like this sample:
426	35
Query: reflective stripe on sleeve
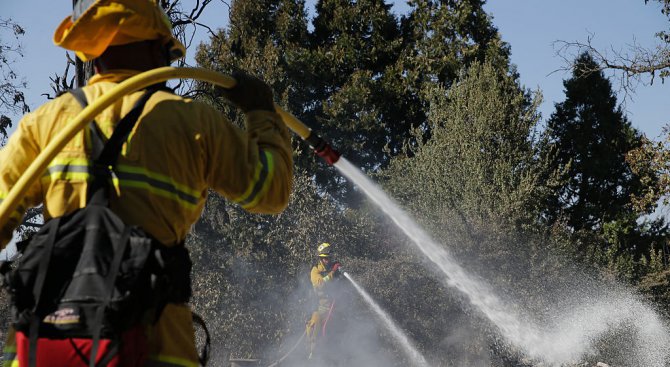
260	184
157	184
9	356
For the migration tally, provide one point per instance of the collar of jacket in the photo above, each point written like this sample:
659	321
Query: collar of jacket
113	76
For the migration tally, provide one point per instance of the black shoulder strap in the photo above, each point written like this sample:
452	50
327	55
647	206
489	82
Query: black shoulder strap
96	134
105	155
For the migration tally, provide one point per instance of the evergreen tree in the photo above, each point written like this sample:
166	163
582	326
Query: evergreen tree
358	77
592	136
353	102
446	35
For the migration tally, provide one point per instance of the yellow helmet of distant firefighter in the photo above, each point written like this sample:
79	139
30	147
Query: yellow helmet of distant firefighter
323	250
97	24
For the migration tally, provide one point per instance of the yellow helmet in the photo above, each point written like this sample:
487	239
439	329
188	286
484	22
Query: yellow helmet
324	249
97	24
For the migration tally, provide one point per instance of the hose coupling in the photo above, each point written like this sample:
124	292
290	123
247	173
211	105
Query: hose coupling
323	149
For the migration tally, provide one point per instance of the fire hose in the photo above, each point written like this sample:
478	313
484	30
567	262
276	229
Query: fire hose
325	322
280	360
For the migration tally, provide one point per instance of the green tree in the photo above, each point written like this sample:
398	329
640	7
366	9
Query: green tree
374	69
483	159
592	137
359	75
446	35
478	186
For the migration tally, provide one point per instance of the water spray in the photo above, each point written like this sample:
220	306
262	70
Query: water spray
554	344
410	350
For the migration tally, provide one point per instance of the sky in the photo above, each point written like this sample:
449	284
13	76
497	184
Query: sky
531	27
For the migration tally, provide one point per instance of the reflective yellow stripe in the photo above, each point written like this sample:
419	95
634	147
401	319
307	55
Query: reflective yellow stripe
259	186
156	191
9	356
77	169
10	348
169	361
68	176
158	177
58	161
158	184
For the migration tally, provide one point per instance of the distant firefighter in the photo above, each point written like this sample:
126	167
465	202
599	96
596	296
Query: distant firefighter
323	272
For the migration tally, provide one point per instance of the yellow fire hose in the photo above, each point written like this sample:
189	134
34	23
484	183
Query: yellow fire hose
138	82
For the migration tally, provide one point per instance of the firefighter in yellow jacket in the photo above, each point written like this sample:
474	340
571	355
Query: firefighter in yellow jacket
178	149
323	272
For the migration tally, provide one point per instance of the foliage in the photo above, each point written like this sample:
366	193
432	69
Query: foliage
359	73
603	197
656	286
651	162
482	181
488	126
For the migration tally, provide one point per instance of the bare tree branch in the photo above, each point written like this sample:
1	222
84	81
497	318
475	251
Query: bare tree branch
636	64
12	99
60	83
185	25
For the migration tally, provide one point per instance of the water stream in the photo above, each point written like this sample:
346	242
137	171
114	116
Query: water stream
572	334
407	346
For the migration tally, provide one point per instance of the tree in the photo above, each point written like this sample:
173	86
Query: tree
651	161
487	124
592	137
374	74
12	99
478	186
359	76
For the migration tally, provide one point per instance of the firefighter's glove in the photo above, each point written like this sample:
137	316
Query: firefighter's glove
249	93
336	269
336	266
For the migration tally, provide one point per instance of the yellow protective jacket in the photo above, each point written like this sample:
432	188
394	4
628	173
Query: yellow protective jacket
178	149
319	277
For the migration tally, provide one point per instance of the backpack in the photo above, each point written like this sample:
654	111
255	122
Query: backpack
87	285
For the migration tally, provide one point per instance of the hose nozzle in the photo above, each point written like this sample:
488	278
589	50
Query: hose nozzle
323	149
